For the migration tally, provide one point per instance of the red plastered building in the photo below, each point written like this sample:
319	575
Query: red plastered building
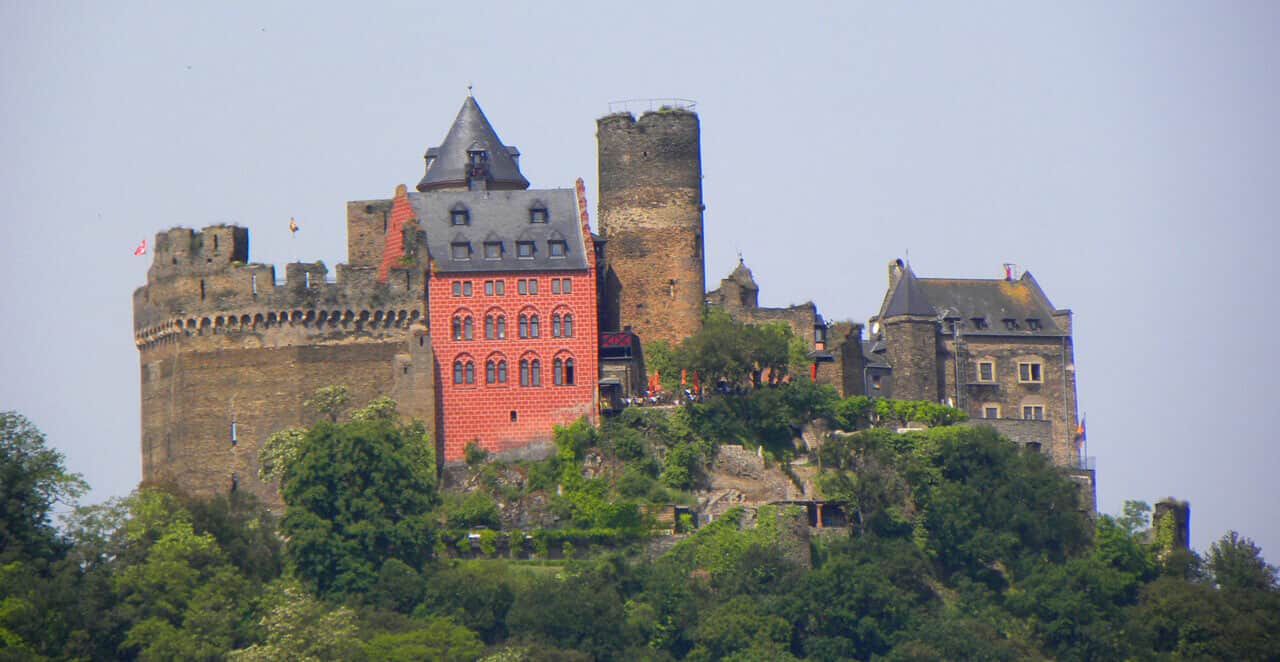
511	295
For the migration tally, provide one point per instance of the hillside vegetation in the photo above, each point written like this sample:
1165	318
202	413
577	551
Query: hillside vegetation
959	546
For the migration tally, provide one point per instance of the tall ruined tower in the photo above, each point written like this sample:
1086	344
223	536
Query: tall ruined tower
651	221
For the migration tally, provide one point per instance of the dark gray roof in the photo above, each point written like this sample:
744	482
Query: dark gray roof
447	164
501	216
907	298
874	352
742	276
994	301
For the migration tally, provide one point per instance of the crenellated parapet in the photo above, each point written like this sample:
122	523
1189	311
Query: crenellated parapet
200	284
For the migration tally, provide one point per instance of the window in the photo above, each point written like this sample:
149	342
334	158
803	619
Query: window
557	372
991	411
555	324
466	328
986	371
522	286
533	326
466	288
557	248
471	372
1033	412
979	322
500	287
1029	372
567	329
502	371
490	372
524	326
233	431
538	215
524	250
875	382
488	288
488	327
555	285
524	372
533	286
460	250
1033	323
456	328
568	372
493	250
457	288
567	285
514	416
460	216
1011	324
457	372
535	372
502	327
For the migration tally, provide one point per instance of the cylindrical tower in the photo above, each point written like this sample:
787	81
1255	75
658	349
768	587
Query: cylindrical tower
651	220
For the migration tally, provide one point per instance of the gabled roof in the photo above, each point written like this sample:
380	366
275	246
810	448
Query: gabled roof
447	164
501	216
1004	307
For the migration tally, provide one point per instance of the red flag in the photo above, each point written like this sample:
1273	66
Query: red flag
1080	435
657	382
141	249
683	376
697	388
813	371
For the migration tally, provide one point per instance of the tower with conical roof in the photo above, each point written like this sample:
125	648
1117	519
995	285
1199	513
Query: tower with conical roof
472	157
651	221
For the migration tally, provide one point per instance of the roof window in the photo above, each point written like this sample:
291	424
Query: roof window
493	250
557	248
460	215
460	250
979	322
538	213
524	250
1033	323
1011	324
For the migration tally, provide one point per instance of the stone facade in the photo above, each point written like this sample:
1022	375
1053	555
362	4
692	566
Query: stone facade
650	176
228	355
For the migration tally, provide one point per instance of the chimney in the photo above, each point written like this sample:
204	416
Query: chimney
895	271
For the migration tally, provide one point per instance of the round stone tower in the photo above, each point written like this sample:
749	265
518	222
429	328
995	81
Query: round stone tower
651	221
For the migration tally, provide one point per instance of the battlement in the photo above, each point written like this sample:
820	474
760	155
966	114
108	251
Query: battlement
202	281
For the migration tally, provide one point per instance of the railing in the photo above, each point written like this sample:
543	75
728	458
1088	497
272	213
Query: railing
640	105
1089	463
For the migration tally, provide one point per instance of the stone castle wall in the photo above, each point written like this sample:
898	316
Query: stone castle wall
650	175
228	356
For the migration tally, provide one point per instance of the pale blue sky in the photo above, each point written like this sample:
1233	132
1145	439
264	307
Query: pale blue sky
1126	153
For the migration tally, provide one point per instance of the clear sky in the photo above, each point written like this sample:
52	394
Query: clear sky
1125	153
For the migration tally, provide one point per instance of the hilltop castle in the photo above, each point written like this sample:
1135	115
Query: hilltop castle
491	311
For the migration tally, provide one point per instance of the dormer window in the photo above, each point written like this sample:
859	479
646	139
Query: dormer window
557	248
524	250
493	250
979	322
1033	323
1011	324
460	215
538	214
460	250
477	156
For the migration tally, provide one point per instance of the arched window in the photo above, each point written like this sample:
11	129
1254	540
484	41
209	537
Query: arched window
466	328
502	372
502	327
557	372
457	327
535	372
533	326
524	326
488	327
568	325
524	372
490	372
457	372
555	325
471	372
568	372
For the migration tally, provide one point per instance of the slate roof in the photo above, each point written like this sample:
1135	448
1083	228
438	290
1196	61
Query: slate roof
447	164
501	216
874	352
741	274
993	300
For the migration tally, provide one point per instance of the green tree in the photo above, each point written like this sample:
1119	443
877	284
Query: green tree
33	479
436	640
1236	563
359	493
300	628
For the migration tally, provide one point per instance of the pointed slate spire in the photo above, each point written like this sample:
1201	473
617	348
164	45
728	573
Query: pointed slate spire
908	298
472	151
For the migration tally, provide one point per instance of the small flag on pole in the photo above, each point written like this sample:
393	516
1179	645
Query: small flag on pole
141	249
293	225
1080	433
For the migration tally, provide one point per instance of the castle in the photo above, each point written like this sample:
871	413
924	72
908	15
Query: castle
492	312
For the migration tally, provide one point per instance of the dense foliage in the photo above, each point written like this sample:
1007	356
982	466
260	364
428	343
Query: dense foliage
961	546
